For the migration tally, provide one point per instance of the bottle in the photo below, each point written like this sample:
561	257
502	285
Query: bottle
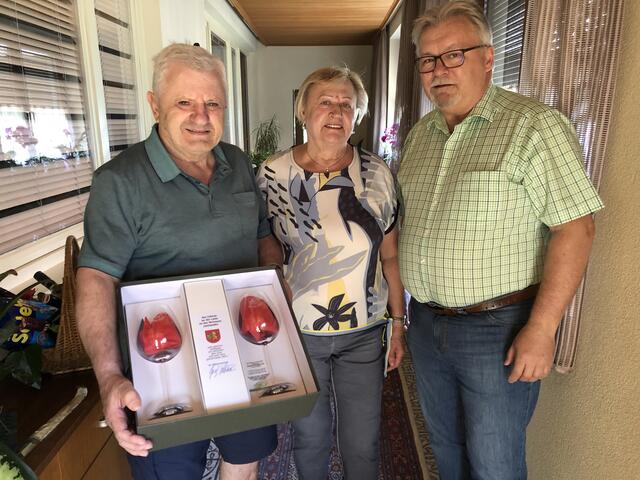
54	297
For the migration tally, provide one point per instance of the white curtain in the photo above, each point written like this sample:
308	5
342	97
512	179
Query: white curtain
569	61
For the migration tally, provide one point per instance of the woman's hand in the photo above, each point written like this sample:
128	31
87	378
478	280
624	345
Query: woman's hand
396	348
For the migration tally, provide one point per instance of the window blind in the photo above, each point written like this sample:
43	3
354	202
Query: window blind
118	77
45	163
506	18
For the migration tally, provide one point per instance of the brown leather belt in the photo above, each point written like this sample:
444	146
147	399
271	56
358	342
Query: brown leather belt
492	304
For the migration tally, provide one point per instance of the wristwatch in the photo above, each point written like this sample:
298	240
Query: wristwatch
400	319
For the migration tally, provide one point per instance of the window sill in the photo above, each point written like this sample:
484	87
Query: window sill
46	255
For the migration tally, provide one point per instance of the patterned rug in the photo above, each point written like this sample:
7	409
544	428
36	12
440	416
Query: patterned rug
403	456
418	426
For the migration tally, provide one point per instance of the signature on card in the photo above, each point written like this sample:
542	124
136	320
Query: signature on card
221	368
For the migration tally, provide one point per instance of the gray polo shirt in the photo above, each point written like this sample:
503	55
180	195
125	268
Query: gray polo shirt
145	218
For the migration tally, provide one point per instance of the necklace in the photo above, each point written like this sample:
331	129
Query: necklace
327	168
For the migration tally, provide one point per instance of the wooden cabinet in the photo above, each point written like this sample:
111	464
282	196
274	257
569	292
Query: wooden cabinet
89	453
77	449
109	464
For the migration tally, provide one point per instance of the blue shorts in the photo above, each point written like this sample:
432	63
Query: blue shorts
188	461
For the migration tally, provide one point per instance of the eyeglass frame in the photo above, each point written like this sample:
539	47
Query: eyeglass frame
439	57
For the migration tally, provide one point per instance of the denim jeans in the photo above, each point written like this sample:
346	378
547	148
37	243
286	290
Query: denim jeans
476	420
352	366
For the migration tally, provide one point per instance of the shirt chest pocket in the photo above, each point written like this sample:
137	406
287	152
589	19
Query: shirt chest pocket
485	198
247	210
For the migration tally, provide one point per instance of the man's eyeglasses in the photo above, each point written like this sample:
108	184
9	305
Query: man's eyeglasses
450	59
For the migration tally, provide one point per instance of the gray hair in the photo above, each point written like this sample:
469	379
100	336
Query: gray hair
468	9
329	74
196	58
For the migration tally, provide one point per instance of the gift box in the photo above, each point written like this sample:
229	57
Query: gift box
213	354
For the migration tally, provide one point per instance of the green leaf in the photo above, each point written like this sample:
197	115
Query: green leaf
8	471
267	137
13	466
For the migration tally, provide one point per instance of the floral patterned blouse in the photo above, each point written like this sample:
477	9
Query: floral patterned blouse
331	227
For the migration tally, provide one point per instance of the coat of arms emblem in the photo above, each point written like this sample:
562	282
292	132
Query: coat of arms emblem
213	336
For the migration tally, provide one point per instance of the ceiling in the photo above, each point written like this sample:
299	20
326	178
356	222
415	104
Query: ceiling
314	22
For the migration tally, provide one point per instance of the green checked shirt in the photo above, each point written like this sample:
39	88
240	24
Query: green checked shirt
478	203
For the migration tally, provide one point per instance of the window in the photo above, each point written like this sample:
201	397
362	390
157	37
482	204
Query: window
506	18
118	76
219	49
299	133
394	55
235	122
245	103
234	93
45	165
50	130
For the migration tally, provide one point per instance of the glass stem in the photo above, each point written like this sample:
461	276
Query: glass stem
163	384
267	364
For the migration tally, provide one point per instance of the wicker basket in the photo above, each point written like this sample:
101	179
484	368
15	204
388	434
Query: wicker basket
68	354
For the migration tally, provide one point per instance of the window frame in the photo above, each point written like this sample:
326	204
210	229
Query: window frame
506	54
92	71
227	26
393	31
235	84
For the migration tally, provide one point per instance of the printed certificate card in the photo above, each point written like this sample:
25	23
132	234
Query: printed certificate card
219	365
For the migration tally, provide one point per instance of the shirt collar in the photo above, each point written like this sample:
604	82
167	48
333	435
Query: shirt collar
166	168
485	108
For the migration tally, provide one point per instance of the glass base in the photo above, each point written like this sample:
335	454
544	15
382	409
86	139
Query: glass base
276	389
171	410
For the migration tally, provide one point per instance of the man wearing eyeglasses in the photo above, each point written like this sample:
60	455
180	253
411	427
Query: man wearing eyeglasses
496	234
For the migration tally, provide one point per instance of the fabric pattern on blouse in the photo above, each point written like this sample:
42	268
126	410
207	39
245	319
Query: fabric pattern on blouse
331	227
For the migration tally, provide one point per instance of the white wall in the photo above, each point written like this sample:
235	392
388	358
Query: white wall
275	72
182	21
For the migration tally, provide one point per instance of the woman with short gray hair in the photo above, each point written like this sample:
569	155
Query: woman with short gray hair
333	208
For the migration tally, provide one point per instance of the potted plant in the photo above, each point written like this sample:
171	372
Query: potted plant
267	136
13	466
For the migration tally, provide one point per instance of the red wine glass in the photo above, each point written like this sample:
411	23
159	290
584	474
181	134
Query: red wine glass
259	325
257	322
159	340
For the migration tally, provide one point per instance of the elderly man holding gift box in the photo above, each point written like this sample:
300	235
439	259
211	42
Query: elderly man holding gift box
181	202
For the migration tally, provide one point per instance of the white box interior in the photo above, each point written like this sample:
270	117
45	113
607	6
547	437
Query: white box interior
285	353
